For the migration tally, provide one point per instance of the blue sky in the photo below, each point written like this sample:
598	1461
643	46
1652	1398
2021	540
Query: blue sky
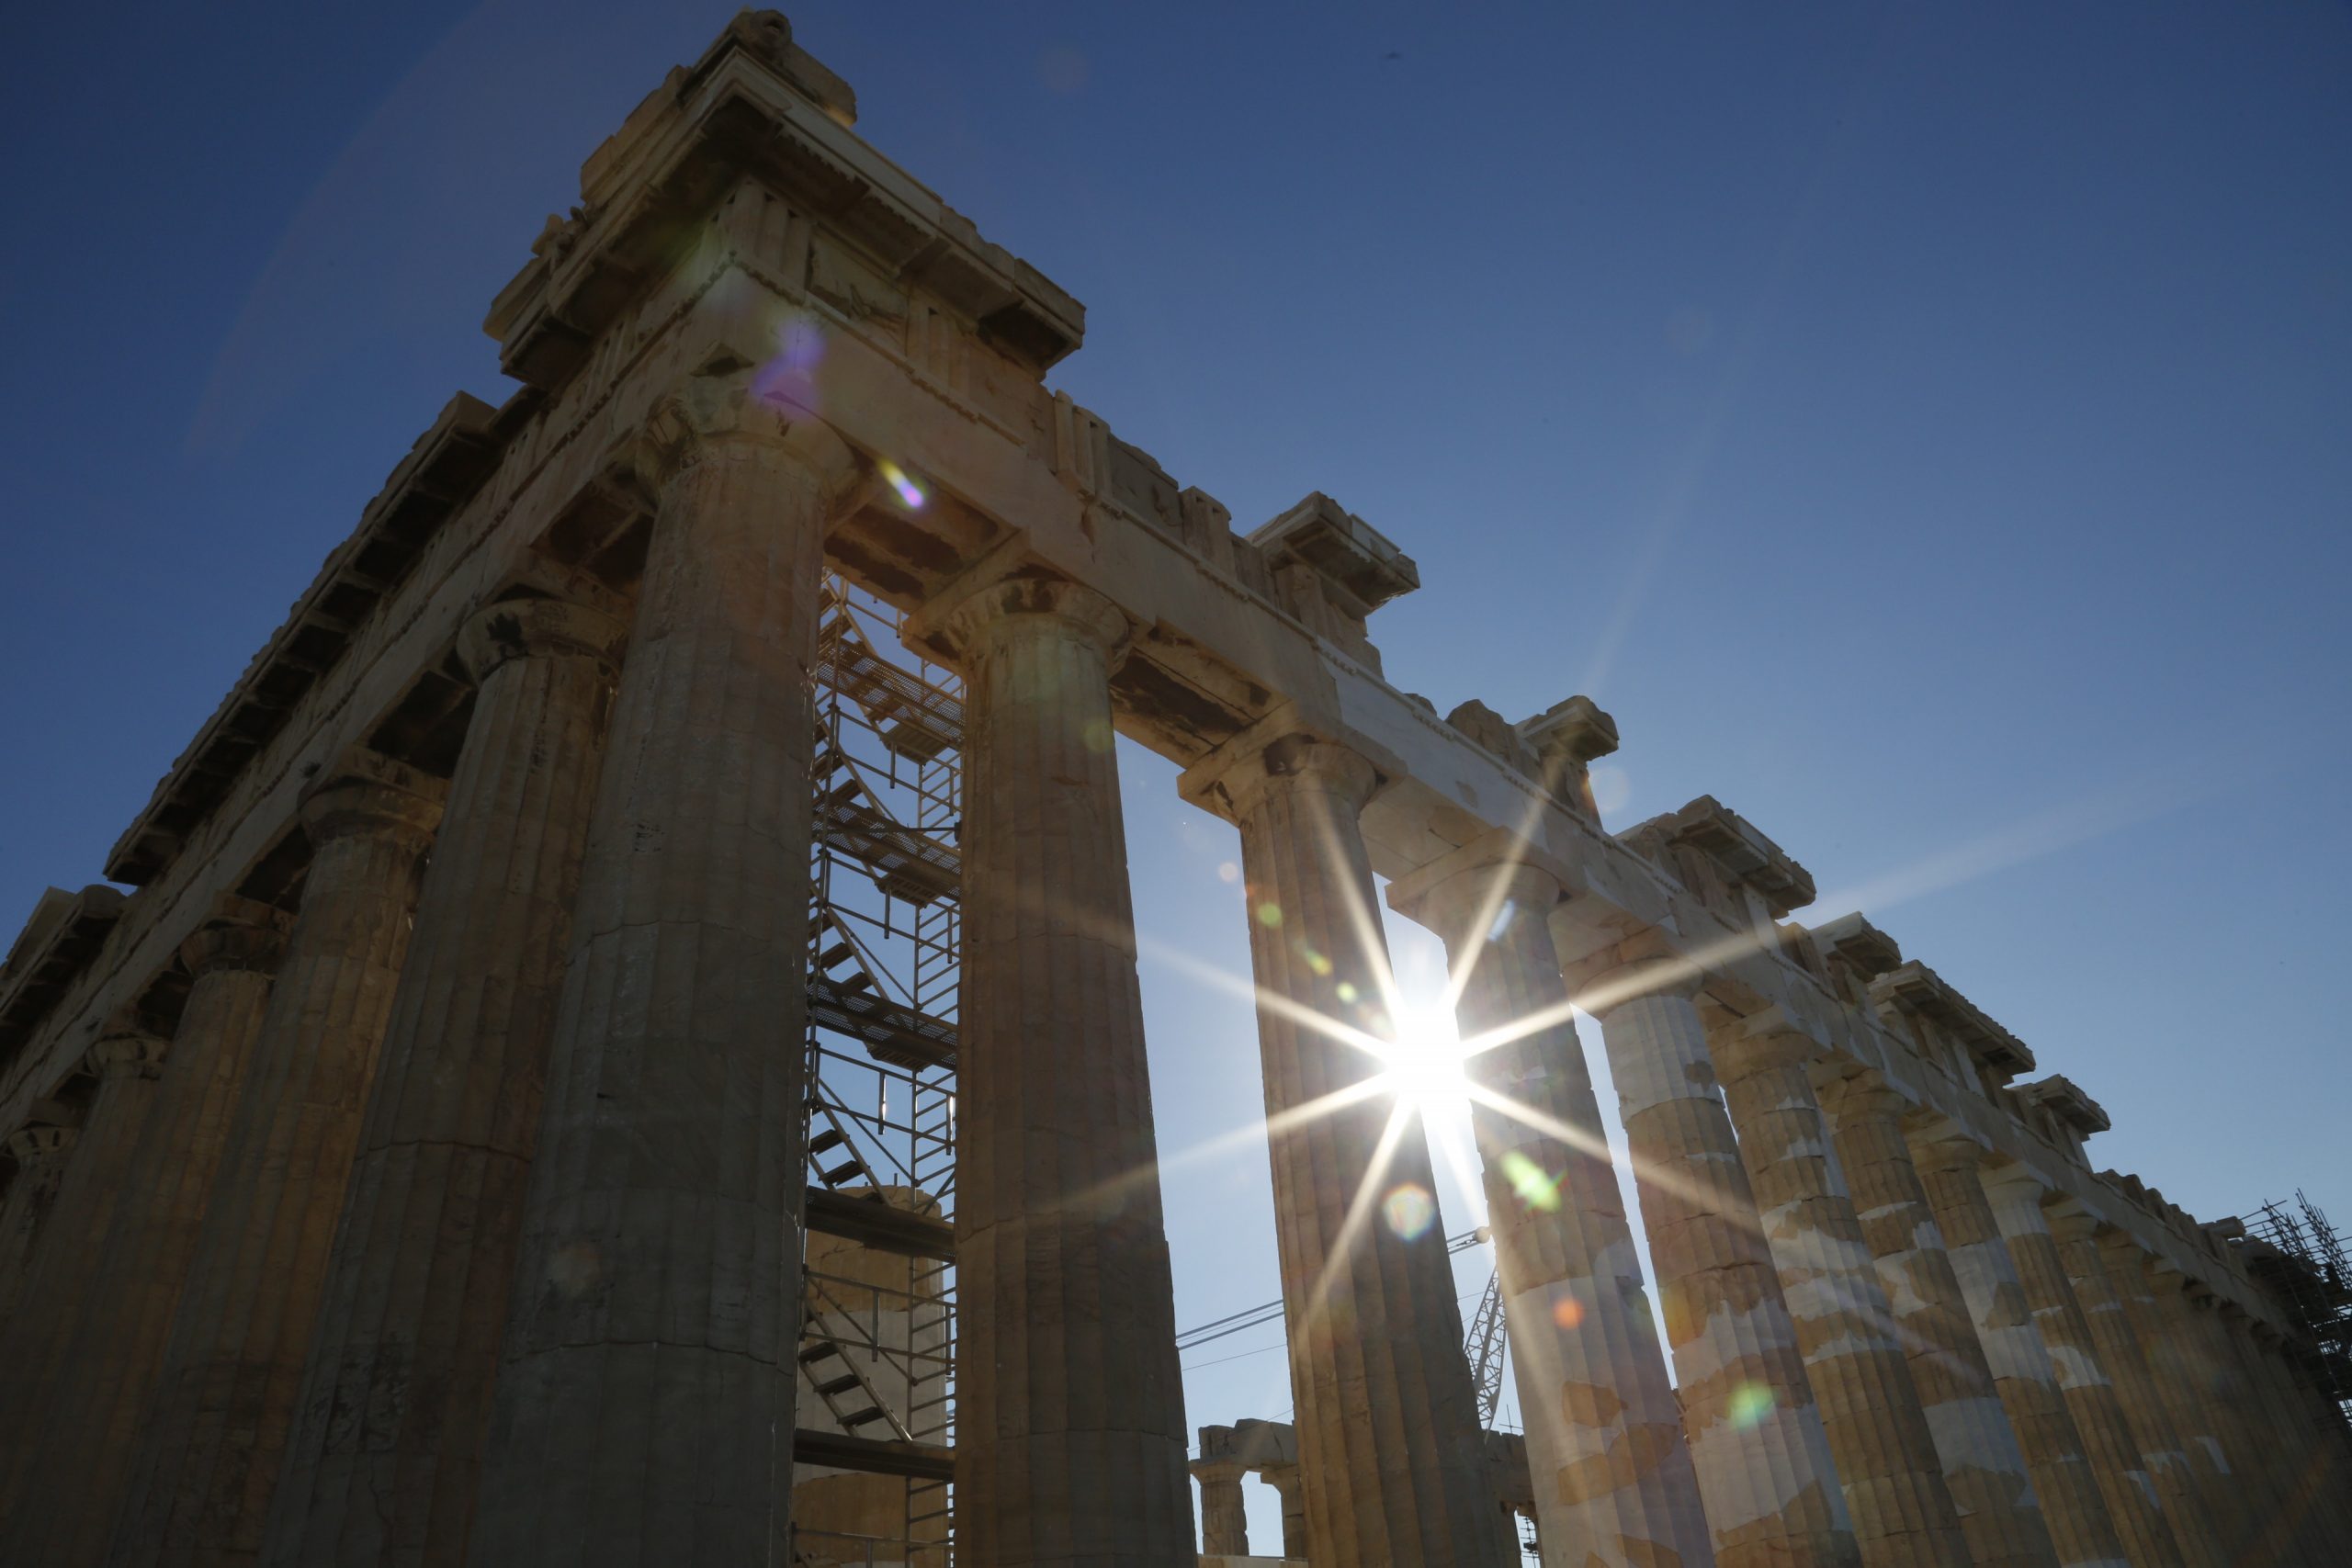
1926	429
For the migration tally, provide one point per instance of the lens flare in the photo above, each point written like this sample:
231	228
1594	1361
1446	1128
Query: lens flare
1315	961
1567	1312
1408	1209
1270	916
1346	991
1228	871
1535	1187
910	492
789	378
1749	1403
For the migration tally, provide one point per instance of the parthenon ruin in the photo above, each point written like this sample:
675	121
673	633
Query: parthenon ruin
623	1046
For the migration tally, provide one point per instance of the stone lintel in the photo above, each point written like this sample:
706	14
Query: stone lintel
2060	1096
1915	988
1360	567
64	934
757	104
1733	848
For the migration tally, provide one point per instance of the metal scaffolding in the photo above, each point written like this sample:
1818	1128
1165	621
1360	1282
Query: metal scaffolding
878	1349
2294	1253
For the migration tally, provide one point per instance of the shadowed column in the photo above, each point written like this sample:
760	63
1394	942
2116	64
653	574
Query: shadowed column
2160	1342
39	1151
1389	1445
2071	1500
2016	1196
643	1412
1611	1466
126	1061
2217	1382
381	1464
62	1502
209	1448
2314	1480
2118	1348
1895	1486
1069	1428
1765	1469
1984	1466
1284	1480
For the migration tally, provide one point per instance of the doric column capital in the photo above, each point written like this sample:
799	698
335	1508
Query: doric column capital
1275	756
538	628
1866	1097
240	934
1764	1041
1462	896
1213	1469
126	1052
961	621
41	1146
2011	1186
714	414
368	794
1947	1147
1643	966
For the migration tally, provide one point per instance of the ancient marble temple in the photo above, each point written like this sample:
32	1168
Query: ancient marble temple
415	1166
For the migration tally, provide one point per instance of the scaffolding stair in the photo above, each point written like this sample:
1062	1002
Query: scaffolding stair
844	997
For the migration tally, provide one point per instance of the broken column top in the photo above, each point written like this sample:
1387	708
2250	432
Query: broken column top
2061	1098
1918	989
1741	856
1576	730
1365	568
1852	942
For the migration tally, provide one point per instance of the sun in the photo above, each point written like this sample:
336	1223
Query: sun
1424	1065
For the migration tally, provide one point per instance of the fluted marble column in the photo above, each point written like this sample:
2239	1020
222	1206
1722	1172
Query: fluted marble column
2117	1348
2129	1491
1765	1469
39	1151
2205	1397
59	1506
1225	1523
2072	1502
643	1412
388	1434
209	1448
1389	1444
1894	1482
125	1060
2217	1487
1611	1466
1069	1405
1985	1468
2313	1478
1284	1480
2243	1443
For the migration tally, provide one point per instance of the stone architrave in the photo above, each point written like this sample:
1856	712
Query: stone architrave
1879	1435
1389	1445
2136	1278
388	1434
1224	1525
90	1402
39	1151
2015	1195
1069	1402
1611	1465
126	1061
643	1412
209	1447
1985	1468
2072	1502
1765	1469
2117	1348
